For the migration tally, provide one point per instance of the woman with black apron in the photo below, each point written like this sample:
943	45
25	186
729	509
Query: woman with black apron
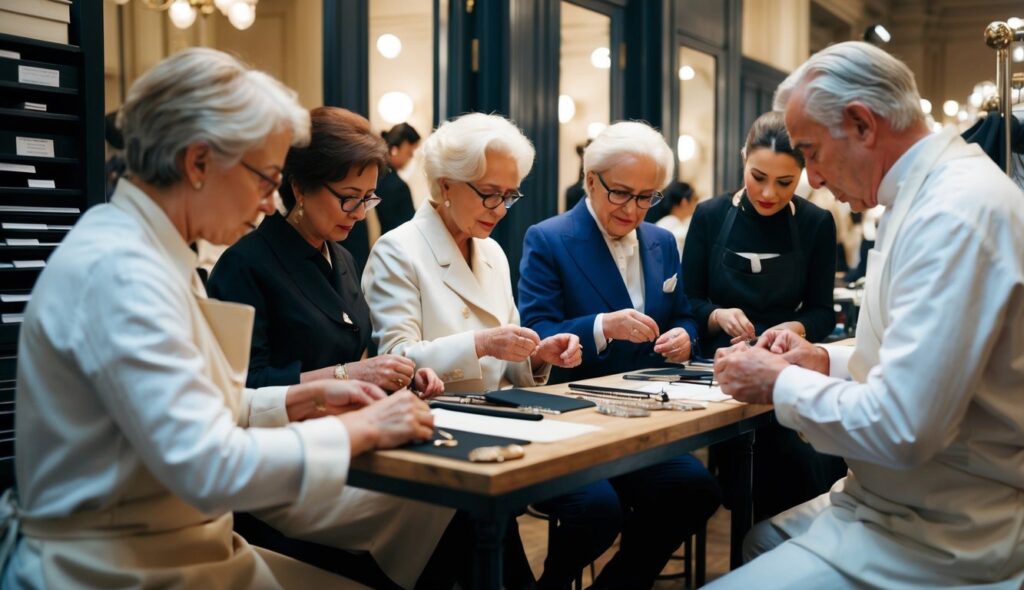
757	259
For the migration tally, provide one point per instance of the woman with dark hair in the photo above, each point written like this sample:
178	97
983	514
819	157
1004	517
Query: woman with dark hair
312	322
682	202
761	258
758	259
396	206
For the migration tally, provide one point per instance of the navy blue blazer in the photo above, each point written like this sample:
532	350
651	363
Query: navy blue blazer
567	276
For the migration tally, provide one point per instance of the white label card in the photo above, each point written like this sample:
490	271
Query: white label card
27	168
10	54
40	183
33	146
39	76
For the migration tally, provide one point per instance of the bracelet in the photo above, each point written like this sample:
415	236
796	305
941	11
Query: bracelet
340	372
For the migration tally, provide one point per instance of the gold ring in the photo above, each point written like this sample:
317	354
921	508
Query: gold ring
318	403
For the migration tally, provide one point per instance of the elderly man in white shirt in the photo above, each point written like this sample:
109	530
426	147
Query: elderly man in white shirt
931	424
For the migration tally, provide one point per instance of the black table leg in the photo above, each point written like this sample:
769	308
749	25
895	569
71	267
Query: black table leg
487	565
743	502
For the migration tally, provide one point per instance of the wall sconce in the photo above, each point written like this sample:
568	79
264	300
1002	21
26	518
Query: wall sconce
395	107
601	58
594	129
687	73
388	45
686	147
566	108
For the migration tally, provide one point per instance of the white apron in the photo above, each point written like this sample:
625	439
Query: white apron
153	539
974	532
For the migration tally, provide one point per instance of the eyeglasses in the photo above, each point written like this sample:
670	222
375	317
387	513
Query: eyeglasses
350	204
268	184
618	197
493	200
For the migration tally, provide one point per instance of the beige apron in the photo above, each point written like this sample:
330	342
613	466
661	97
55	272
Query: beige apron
153	539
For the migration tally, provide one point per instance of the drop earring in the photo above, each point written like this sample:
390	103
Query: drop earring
447	203
297	216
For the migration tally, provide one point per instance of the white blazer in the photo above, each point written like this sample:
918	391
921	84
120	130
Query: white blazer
426	303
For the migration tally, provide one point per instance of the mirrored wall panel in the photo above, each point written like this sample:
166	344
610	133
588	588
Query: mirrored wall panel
696	145
584	101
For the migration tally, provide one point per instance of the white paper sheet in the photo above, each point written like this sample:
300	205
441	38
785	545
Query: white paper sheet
14	297
26	168
688	391
546	430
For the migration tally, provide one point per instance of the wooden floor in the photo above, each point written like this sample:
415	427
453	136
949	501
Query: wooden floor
535	540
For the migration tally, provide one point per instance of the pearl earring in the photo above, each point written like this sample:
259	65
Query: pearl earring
197	185
447	203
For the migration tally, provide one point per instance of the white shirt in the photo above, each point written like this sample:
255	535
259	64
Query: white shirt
625	252
678	227
934	436
110	382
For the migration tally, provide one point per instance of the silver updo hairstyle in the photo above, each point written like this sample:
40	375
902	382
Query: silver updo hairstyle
202	95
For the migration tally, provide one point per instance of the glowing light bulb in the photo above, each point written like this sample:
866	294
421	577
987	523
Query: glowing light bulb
389	45
395	107
601	58
950	107
926	106
182	14
566	108
242	14
686	147
686	73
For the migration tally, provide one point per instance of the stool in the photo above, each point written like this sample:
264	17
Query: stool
552	525
694	577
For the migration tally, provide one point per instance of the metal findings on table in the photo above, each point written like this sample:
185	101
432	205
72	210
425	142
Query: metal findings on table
622	411
496	454
446	440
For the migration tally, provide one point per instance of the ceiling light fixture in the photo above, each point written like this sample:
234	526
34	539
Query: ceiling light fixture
183	13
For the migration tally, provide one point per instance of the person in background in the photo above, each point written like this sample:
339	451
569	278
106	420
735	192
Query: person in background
575	193
681	203
439	288
135	437
761	258
930	426
396	205
312	323
599	272
114	167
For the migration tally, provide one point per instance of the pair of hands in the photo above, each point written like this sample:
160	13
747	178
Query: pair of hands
633	326
374	419
748	373
392	372
516	344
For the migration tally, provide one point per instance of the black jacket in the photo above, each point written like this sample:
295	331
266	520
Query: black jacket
309	314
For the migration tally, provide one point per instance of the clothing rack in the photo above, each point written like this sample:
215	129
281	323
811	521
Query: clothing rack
1000	36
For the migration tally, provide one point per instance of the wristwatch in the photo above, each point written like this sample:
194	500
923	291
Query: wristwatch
340	372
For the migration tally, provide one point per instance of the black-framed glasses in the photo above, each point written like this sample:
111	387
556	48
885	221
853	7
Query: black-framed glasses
618	197
267	183
350	204
493	200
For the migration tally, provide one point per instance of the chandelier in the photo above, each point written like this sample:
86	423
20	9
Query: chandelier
241	13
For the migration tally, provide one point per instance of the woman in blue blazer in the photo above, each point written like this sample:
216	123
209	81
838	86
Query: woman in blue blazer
599	272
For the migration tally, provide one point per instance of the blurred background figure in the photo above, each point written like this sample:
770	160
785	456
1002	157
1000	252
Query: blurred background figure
681	202
396	206
574	193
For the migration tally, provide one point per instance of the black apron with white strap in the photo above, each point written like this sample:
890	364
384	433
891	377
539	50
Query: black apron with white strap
770	295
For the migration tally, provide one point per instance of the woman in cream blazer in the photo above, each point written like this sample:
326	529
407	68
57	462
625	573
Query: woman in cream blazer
439	288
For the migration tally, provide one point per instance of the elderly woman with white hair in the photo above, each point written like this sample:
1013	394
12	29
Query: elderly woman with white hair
599	272
439	288
135	436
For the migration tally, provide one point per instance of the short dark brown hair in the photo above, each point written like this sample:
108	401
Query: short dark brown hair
340	139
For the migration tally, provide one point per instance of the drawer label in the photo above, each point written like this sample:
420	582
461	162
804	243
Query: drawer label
39	76
33	146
